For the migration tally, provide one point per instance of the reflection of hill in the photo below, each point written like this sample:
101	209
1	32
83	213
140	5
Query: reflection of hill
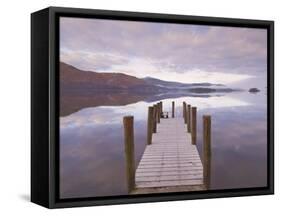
72	102
72	78
80	89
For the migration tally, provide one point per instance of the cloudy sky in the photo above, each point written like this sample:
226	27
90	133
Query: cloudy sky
185	53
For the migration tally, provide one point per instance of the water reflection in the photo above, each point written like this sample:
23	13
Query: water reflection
92	159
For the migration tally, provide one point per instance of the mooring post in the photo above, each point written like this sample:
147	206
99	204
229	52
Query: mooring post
158	112
149	125
207	150
188	119
184	111
173	109
155	118
193	125
128	124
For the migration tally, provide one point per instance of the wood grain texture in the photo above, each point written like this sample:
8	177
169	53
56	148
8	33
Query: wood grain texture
128	123
149	125
171	160
207	149
193	125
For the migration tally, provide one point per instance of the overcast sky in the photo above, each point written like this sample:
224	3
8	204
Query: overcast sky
185	53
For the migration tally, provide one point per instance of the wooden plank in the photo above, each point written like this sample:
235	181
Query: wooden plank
160	177
169	183
169	173
171	160
178	169
170	189
175	161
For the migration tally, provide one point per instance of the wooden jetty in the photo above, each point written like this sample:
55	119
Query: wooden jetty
170	162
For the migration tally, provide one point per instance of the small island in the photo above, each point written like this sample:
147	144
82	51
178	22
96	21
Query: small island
254	90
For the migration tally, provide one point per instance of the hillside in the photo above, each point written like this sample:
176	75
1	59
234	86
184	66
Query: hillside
73	78
177	85
80	89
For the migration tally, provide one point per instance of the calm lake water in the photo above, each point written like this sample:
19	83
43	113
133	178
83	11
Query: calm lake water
92	159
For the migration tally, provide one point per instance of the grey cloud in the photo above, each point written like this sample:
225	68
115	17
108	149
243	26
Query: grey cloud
177	47
92	61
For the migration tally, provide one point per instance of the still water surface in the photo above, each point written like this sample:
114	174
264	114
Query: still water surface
92	160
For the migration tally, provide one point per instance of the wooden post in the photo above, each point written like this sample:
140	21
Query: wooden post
183	109
128	124
207	150
149	125
173	109
193	125
184	112
188	119
158	112
155	118
161	107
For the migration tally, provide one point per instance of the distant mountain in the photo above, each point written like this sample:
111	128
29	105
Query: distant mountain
75	80
177	85
72	78
80	89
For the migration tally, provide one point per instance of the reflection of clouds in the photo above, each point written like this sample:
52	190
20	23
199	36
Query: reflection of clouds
108	115
89	160
92	150
102	115
204	103
240	125
88	117
239	146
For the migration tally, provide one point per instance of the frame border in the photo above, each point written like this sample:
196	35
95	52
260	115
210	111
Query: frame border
55	13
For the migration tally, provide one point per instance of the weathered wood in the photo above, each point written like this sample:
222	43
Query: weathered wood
193	125
155	118
128	124
207	149
169	183
149	125
188	119
169	169
184	112
169	173
173	109
171	189
161	107
158	112
171	160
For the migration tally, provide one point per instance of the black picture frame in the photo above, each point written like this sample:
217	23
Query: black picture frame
45	104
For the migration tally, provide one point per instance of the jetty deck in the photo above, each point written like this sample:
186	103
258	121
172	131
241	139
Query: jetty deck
171	159
170	162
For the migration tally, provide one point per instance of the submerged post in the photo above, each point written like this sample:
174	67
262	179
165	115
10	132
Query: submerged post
128	124
149	125
184	111
173	109
193	125
207	150
188	119
155	118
